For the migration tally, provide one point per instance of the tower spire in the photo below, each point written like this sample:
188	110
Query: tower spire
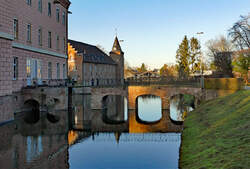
116	46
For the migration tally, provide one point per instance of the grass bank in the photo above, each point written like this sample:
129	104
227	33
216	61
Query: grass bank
217	134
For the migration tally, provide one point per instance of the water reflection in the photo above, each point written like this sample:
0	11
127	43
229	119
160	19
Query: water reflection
149	108
180	105
111	137
115	109
133	151
41	145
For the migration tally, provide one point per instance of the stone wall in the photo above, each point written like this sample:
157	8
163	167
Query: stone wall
119	59
102	74
7	107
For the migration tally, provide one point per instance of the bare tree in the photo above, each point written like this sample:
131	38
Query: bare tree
220	52
240	32
219	44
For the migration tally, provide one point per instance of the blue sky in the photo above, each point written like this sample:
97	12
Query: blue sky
151	29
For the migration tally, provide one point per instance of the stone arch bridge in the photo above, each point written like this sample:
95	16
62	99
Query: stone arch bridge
133	92
55	98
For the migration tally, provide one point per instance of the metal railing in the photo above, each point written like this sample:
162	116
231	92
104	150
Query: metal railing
98	82
196	82
47	82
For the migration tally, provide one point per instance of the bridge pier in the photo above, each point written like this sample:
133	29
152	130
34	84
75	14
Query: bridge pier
165	103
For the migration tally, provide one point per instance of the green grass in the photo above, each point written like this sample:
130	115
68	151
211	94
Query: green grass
217	134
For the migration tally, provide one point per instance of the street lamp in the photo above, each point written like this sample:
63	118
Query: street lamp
201	67
199	35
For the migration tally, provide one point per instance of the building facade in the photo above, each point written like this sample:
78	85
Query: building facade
33	38
90	66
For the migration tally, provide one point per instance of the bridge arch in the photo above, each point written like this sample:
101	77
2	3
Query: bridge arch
98	93
31	109
114	109
139	112
165	92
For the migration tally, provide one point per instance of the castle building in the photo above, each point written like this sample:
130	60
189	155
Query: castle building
90	66
33	38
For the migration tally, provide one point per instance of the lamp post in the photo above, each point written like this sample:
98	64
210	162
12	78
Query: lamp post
201	67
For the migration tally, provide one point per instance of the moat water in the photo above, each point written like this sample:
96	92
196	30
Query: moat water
111	138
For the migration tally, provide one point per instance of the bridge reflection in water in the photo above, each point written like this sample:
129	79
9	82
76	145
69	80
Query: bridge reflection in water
105	132
116	117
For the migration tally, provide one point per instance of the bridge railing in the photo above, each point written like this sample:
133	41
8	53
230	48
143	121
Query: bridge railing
195	82
98	82
45	82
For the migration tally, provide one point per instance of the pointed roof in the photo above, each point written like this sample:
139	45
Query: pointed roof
116	47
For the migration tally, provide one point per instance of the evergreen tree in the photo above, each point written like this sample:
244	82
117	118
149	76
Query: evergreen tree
142	69
195	55
164	70
183	57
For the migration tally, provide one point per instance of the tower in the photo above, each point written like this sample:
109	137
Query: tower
118	56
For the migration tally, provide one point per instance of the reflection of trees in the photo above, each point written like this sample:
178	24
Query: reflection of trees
184	104
147	98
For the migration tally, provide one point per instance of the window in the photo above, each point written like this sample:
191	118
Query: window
28	2
28	33
40	6
57	14
58	70
64	71
28	68
15	29
57	42
63	18
64	44
49	9
49	70
40	35
49	40
15	68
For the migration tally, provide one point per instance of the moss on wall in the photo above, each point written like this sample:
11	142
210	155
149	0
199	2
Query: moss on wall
223	83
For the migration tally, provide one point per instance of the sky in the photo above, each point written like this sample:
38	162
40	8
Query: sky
152	29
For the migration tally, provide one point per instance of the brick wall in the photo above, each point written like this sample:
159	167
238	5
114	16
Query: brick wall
26	14
6	63
22	58
30	15
6	16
